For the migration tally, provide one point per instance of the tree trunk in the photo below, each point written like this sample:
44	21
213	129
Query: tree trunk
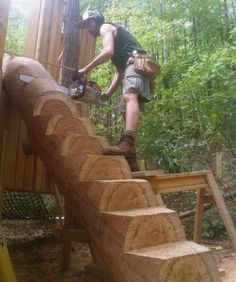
71	39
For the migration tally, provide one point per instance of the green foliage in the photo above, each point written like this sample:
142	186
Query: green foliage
212	226
16	31
193	109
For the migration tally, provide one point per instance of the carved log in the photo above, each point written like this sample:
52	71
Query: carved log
131	239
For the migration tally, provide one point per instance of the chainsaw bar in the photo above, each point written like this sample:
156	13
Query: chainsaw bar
75	92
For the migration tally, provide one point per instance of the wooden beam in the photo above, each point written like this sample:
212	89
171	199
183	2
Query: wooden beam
4	12
222	208
219	167
33	28
147	173
198	216
169	183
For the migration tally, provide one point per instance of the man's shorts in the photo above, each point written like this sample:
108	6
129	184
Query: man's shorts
135	83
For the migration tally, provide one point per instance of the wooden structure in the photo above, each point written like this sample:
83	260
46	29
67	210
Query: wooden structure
6	269
4	11
24	172
130	237
45	39
203	182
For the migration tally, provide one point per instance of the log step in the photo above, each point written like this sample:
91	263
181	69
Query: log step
83	144
47	105
172	262
103	168
60	124
135	229
116	195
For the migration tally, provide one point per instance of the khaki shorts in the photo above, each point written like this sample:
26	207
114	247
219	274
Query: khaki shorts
135	83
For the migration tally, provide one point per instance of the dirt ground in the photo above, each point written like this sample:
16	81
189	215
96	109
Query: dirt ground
35	249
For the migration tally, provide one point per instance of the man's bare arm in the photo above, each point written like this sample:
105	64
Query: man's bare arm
116	81
107	52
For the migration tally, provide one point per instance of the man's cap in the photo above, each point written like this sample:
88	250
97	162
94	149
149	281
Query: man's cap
95	15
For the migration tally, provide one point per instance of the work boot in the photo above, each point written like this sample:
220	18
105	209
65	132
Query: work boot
133	164
125	147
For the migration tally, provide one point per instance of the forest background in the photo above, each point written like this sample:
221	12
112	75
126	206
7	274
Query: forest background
192	115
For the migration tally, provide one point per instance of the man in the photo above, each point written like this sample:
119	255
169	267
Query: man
120	46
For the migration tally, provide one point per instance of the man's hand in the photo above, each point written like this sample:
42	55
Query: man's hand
83	71
78	74
105	96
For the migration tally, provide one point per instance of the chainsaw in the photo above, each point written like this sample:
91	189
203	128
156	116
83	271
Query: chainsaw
80	90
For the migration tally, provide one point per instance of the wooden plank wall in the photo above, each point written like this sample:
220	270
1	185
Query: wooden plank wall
44	34
44	43
4	12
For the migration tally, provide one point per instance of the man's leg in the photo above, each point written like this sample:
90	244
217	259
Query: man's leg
131	124
126	145
132	112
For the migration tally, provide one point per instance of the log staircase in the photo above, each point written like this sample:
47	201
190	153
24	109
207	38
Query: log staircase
131	238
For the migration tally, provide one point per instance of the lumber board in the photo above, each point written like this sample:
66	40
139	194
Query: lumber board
44	30
4	12
55	34
168	183
146	173
198	215
10	164
189	187
222	208
32	28
87	48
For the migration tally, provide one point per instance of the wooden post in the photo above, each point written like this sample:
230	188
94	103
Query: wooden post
198	216
219	170
4	12
223	211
